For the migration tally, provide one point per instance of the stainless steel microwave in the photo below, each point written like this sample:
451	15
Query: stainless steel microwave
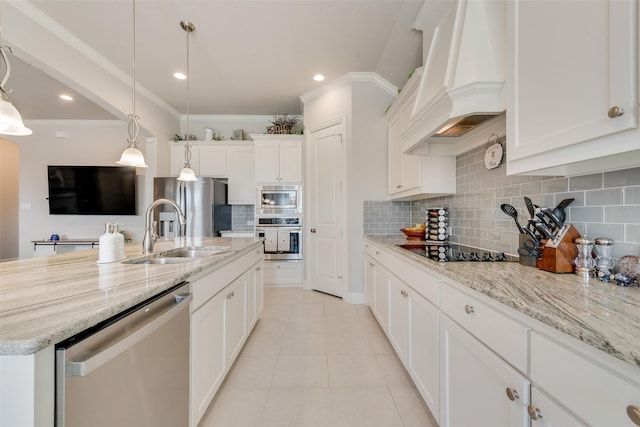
279	199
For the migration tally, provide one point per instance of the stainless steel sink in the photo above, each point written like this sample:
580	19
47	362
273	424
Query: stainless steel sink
181	255
173	260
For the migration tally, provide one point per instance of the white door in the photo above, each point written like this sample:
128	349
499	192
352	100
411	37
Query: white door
326	247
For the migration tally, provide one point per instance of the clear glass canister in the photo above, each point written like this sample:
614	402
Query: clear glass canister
584	261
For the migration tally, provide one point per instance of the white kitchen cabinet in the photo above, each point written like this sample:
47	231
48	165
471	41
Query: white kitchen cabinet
240	171
571	63
234	161
278	158
423	364
213	161
381	302
220	326
369	280
414	176
207	354
235	317
476	386
283	273
398	329
587	387
545	412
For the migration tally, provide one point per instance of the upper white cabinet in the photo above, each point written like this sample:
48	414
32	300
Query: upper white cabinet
232	160
573	86
414	176
278	158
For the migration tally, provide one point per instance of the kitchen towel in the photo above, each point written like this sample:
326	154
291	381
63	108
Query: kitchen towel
284	240
270	239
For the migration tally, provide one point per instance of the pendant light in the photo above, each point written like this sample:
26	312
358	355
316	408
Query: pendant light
132	156
187	174
10	119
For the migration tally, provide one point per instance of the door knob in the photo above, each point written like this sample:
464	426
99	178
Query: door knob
313	230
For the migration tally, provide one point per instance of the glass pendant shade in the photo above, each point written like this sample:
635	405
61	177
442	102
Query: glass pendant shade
10	119
132	157
187	174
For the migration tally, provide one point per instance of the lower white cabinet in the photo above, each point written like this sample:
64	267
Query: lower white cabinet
476	386
588	388
369	280
283	273
424	363
399	317
226	305
545	412
381	301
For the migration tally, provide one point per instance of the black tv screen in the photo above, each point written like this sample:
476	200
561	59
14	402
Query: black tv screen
92	190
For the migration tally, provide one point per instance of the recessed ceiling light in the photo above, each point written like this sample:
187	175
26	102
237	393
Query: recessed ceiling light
318	77
180	76
66	97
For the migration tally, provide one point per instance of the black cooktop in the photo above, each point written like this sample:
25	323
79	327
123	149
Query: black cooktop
453	252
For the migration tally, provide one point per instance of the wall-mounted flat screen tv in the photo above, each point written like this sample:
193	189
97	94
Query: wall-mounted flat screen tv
92	190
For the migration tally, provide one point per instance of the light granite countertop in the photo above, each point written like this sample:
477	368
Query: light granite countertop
603	315
48	299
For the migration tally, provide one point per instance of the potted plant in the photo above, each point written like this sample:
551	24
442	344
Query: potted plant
283	123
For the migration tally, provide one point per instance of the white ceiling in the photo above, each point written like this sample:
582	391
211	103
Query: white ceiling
246	57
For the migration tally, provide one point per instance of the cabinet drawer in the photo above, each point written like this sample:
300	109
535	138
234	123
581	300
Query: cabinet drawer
282	273
374	252
590	390
423	282
505	336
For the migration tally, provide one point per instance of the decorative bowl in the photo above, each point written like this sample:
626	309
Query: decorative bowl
414	234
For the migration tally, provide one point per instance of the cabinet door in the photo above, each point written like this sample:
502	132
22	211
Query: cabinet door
423	350
369	280
235	317
207	354
176	153
259	281
240	170
381	303
283	273
290	161
399	317
570	63
404	169
476	386
213	161
266	161
545	412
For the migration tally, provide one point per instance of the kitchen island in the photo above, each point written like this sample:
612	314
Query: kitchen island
46	300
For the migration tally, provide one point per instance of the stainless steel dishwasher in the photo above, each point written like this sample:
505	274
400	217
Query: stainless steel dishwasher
129	371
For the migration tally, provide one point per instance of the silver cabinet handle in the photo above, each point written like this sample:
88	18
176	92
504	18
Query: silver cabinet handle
469	309
313	230
634	414
534	413
512	394
615	111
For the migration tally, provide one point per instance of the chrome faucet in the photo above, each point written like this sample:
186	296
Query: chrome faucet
150	235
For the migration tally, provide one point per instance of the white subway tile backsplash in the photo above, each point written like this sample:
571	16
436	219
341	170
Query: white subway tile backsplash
622	178
585	182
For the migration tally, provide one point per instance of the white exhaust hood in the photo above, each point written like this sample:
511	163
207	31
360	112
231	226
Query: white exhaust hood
462	80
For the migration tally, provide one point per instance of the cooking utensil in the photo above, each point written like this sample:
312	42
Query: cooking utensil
549	214
564	203
529	204
544	230
513	213
529	248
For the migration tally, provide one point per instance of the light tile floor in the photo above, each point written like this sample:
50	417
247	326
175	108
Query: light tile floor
314	360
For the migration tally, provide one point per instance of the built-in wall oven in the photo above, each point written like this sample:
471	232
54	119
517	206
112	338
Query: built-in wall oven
282	237
279	200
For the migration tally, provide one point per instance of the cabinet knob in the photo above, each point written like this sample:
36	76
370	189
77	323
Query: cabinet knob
371	264
399	186
313	230
469	309
634	414
534	413
615	111
512	394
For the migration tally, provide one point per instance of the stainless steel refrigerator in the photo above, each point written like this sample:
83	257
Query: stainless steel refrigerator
204	203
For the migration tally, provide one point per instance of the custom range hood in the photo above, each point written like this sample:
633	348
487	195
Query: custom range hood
462	81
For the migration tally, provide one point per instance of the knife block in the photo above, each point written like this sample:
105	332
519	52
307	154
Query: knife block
559	258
